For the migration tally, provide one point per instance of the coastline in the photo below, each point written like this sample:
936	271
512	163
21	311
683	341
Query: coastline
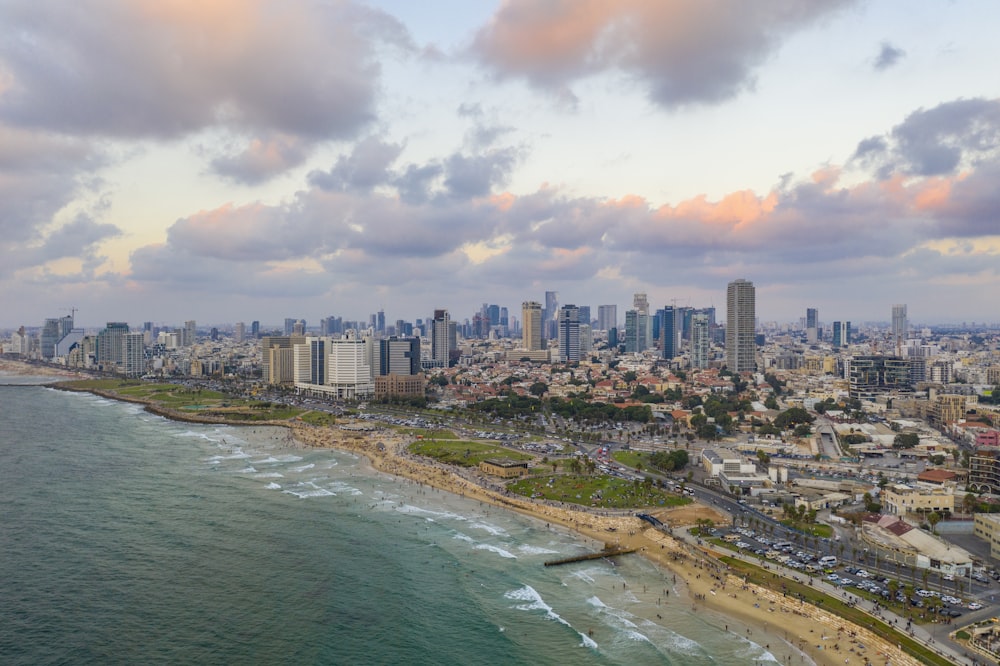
806	630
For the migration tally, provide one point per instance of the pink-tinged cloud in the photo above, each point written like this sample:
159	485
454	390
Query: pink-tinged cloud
684	51
262	158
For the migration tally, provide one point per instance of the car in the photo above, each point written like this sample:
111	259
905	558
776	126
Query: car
975	605
948	577
833	577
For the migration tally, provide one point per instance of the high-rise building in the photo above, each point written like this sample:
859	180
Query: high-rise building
700	338
900	327
584	315
569	334
636	325
255	329
870	376
441	338
669	333
607	317
841	333
397	356
741	344
550	313
189	333
531	325
53	331
289	325
812	325
240	332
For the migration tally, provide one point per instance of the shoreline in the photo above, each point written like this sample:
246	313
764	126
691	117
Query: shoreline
804	629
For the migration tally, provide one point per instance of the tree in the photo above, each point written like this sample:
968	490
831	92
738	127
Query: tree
803	430
538	389
933	518
771	402
905	440
793	416
629	376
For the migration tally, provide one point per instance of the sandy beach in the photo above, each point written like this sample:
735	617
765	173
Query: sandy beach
822	636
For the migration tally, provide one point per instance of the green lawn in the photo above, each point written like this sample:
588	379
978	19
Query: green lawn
600	490
428	433
813	596
814	529
632	458
462	453
318	418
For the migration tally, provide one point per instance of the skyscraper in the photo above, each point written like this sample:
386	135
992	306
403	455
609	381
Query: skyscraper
741	346
636	324
531	325
700	336
841	333
569	333
900	327
812	325
669	332
440	338
607	317
550	313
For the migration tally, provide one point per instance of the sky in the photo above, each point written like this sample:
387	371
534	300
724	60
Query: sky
239	160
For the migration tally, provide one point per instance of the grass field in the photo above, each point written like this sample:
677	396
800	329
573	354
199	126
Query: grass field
814	529
462	453
428	433
601	490
197	401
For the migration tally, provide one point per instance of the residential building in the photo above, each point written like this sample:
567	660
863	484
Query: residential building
741	344
870	376
900	499
669	333
700	338
984	470
900	328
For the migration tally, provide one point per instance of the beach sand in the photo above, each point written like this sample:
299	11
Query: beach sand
822	636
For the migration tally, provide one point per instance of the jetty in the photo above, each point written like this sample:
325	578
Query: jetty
609	551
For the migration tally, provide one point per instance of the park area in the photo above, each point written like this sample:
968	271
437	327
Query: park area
464	453
597	491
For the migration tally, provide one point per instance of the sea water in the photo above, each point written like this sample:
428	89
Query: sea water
129	538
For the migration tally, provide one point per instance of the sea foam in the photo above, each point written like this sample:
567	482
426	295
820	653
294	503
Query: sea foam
496	549
535	602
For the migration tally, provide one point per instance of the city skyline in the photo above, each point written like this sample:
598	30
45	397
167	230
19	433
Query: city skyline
344	157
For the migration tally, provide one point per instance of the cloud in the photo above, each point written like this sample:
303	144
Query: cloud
681	52
261	159
373	222
365	168
168	68
888	56
937	141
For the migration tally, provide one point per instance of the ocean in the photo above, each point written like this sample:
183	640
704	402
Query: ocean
129	538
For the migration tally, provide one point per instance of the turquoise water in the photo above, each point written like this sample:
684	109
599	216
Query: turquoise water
127	538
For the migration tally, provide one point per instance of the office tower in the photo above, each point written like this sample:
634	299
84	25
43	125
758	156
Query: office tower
380	321
549	313
741	345
255	329
584	315
569	334
441	338
669	337
504	319
277	358
613	337
641	304
289	325
531	325
53	331
812	325
607	317
636	324
900	327
189	333
586	340
700	336
397	356
841	333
